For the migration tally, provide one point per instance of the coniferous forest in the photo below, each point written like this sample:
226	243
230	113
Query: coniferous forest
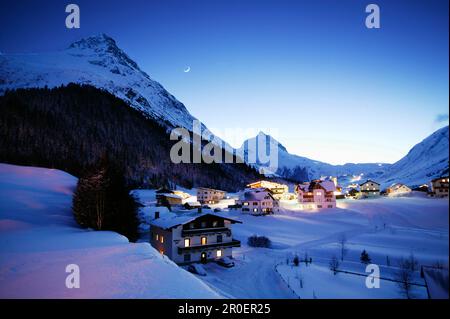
71	127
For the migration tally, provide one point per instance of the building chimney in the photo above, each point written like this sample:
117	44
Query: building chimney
156	215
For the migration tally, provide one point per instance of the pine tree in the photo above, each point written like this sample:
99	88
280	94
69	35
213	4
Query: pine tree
102	201
365	258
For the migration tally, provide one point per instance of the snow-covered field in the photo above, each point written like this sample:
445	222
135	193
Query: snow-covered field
39	238
387	228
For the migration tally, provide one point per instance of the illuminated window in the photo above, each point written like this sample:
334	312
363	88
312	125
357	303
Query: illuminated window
161	239
245	204
204	240
219	253
161	251
157	237
318	193
187	242
215	223
255	209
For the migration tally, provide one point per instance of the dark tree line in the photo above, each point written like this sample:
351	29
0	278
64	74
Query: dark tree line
70	127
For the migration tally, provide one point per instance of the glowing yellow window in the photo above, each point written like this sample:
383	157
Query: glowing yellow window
187	242
219	253
204	240
157	237
161	239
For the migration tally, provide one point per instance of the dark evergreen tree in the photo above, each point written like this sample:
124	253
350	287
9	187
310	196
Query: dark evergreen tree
102	201
365	258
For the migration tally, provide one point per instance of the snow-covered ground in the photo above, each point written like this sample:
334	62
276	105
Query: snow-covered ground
387	228
39	238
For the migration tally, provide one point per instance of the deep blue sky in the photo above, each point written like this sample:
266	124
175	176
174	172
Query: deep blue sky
307	71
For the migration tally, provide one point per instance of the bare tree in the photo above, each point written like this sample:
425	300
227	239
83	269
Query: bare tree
342	240
334	264
404	276
413	263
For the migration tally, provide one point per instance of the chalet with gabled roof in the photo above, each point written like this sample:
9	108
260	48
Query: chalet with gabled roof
188	238
316	194
369	188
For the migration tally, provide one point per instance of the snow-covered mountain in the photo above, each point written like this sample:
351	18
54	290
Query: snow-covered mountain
97	61
302	168
425	161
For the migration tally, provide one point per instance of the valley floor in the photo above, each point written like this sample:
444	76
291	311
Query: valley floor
39	238
387	228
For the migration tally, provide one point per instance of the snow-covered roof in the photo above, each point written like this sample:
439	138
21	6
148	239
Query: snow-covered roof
328	186
170	195
255	194
369	181
397	186
174	220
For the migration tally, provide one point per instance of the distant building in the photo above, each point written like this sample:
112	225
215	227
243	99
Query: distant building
369	188
257	201
353	193
398	189
209	195
192	238
277	189
163	198
316	195
173	197
439	186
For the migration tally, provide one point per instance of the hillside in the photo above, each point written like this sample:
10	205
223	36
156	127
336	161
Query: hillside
425	161
39	238
69	128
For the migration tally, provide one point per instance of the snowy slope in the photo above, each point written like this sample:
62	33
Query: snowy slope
39	238
425	161
315	169
97	61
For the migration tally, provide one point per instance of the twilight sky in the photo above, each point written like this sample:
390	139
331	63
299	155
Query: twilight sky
308	71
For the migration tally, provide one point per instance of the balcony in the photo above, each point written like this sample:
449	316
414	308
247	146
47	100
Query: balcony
233	243
200	231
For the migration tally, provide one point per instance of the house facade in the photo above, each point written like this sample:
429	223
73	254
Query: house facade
398	189
369	188
316	195
209	195
439	186
193	238
279	191
257	201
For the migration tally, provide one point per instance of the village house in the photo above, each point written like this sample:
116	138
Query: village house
369	188
191	238
439	187
166	196
278	190
398	189
353	193
209	195
257	201
316	195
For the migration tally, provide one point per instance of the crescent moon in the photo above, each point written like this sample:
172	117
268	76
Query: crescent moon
187	70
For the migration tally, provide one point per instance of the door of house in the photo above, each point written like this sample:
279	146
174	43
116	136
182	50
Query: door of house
203	258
